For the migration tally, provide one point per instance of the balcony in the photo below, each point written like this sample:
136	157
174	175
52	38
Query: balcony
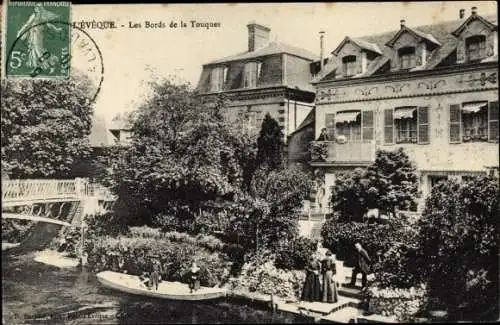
352	152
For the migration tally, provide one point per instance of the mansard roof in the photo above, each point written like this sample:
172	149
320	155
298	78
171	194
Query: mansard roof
271	48
441	32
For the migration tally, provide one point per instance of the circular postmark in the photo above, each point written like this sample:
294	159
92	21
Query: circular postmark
72	54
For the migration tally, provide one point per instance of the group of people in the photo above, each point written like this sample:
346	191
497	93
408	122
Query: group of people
321	285
152	277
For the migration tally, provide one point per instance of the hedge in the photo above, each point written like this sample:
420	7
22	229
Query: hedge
129	254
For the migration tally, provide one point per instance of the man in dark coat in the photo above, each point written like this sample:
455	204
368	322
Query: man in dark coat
324	135
362	265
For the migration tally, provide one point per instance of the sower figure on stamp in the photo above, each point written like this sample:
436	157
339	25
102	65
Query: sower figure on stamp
32	32
363	263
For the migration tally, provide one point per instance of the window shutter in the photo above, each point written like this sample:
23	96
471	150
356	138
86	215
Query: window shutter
493	121
455	121
461	51
330	125
423	125
359	65
395	61
388	126
367	124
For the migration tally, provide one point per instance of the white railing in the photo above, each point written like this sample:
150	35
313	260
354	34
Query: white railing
34	190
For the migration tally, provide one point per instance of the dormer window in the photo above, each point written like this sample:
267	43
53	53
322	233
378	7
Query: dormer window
407	58
349	65
218	78
251	74
476	47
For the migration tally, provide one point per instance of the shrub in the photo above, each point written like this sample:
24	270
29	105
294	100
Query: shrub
14	231
130	254
104	224
458	246
404	304
340	237
259	274
295	255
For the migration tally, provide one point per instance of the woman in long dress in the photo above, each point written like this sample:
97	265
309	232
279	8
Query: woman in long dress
194	280
329	283
312	288
32	32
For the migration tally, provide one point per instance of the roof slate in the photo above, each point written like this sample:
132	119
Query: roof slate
441	32
271	48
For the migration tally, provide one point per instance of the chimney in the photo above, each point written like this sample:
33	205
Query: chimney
321	49
402	23
461	13
473	11
258	36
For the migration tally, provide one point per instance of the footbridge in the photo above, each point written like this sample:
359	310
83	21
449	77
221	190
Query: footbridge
62	202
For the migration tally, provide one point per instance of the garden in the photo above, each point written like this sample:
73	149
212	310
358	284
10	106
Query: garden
444	265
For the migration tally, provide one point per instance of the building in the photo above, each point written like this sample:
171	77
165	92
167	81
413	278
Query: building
121	131
269	77
432	90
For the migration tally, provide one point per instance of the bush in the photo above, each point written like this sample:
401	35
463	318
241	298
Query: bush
14	231
295	255
260	275
376	239
458	246
404	304
68	241
104	224
129	254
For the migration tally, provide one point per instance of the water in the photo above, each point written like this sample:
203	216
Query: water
32	290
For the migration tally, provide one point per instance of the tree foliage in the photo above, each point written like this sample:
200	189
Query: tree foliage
390	182
182	153
270	144
45	126
458	245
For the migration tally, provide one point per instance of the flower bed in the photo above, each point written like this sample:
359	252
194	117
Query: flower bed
404	304
263	277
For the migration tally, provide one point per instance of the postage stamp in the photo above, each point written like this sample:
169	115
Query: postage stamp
38	39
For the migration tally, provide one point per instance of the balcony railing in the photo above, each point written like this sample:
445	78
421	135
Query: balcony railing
352	151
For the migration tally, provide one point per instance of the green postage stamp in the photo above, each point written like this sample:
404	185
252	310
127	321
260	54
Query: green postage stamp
38	39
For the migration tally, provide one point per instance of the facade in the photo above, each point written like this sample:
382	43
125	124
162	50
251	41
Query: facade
432	90
269	77
121	131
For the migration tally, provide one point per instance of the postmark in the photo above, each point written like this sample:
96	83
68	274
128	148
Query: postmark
84	58
38	47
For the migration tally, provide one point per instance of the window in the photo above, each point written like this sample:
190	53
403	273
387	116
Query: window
354	125
436	179
406	125
476	47
474	121
349	65
218	78
405	119
407	57
252	74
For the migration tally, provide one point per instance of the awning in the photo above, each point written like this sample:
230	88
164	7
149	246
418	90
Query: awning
406	112
343	117
473	107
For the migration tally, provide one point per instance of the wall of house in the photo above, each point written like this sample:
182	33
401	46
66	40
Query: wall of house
295	114
298	145
297	72
271	71
436	92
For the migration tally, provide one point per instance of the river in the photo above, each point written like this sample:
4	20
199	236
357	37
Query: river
31	290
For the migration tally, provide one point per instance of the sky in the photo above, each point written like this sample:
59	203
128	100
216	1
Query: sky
181	52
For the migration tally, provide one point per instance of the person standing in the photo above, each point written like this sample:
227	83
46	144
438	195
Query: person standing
312	288
194	280
156	271
363	263
329	284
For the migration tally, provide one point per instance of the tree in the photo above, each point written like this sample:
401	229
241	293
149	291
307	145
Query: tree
45	126
270	215
458	247
390	182
183	153
270	144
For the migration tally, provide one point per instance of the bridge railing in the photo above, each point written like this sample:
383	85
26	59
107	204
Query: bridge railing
30	189
51	189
